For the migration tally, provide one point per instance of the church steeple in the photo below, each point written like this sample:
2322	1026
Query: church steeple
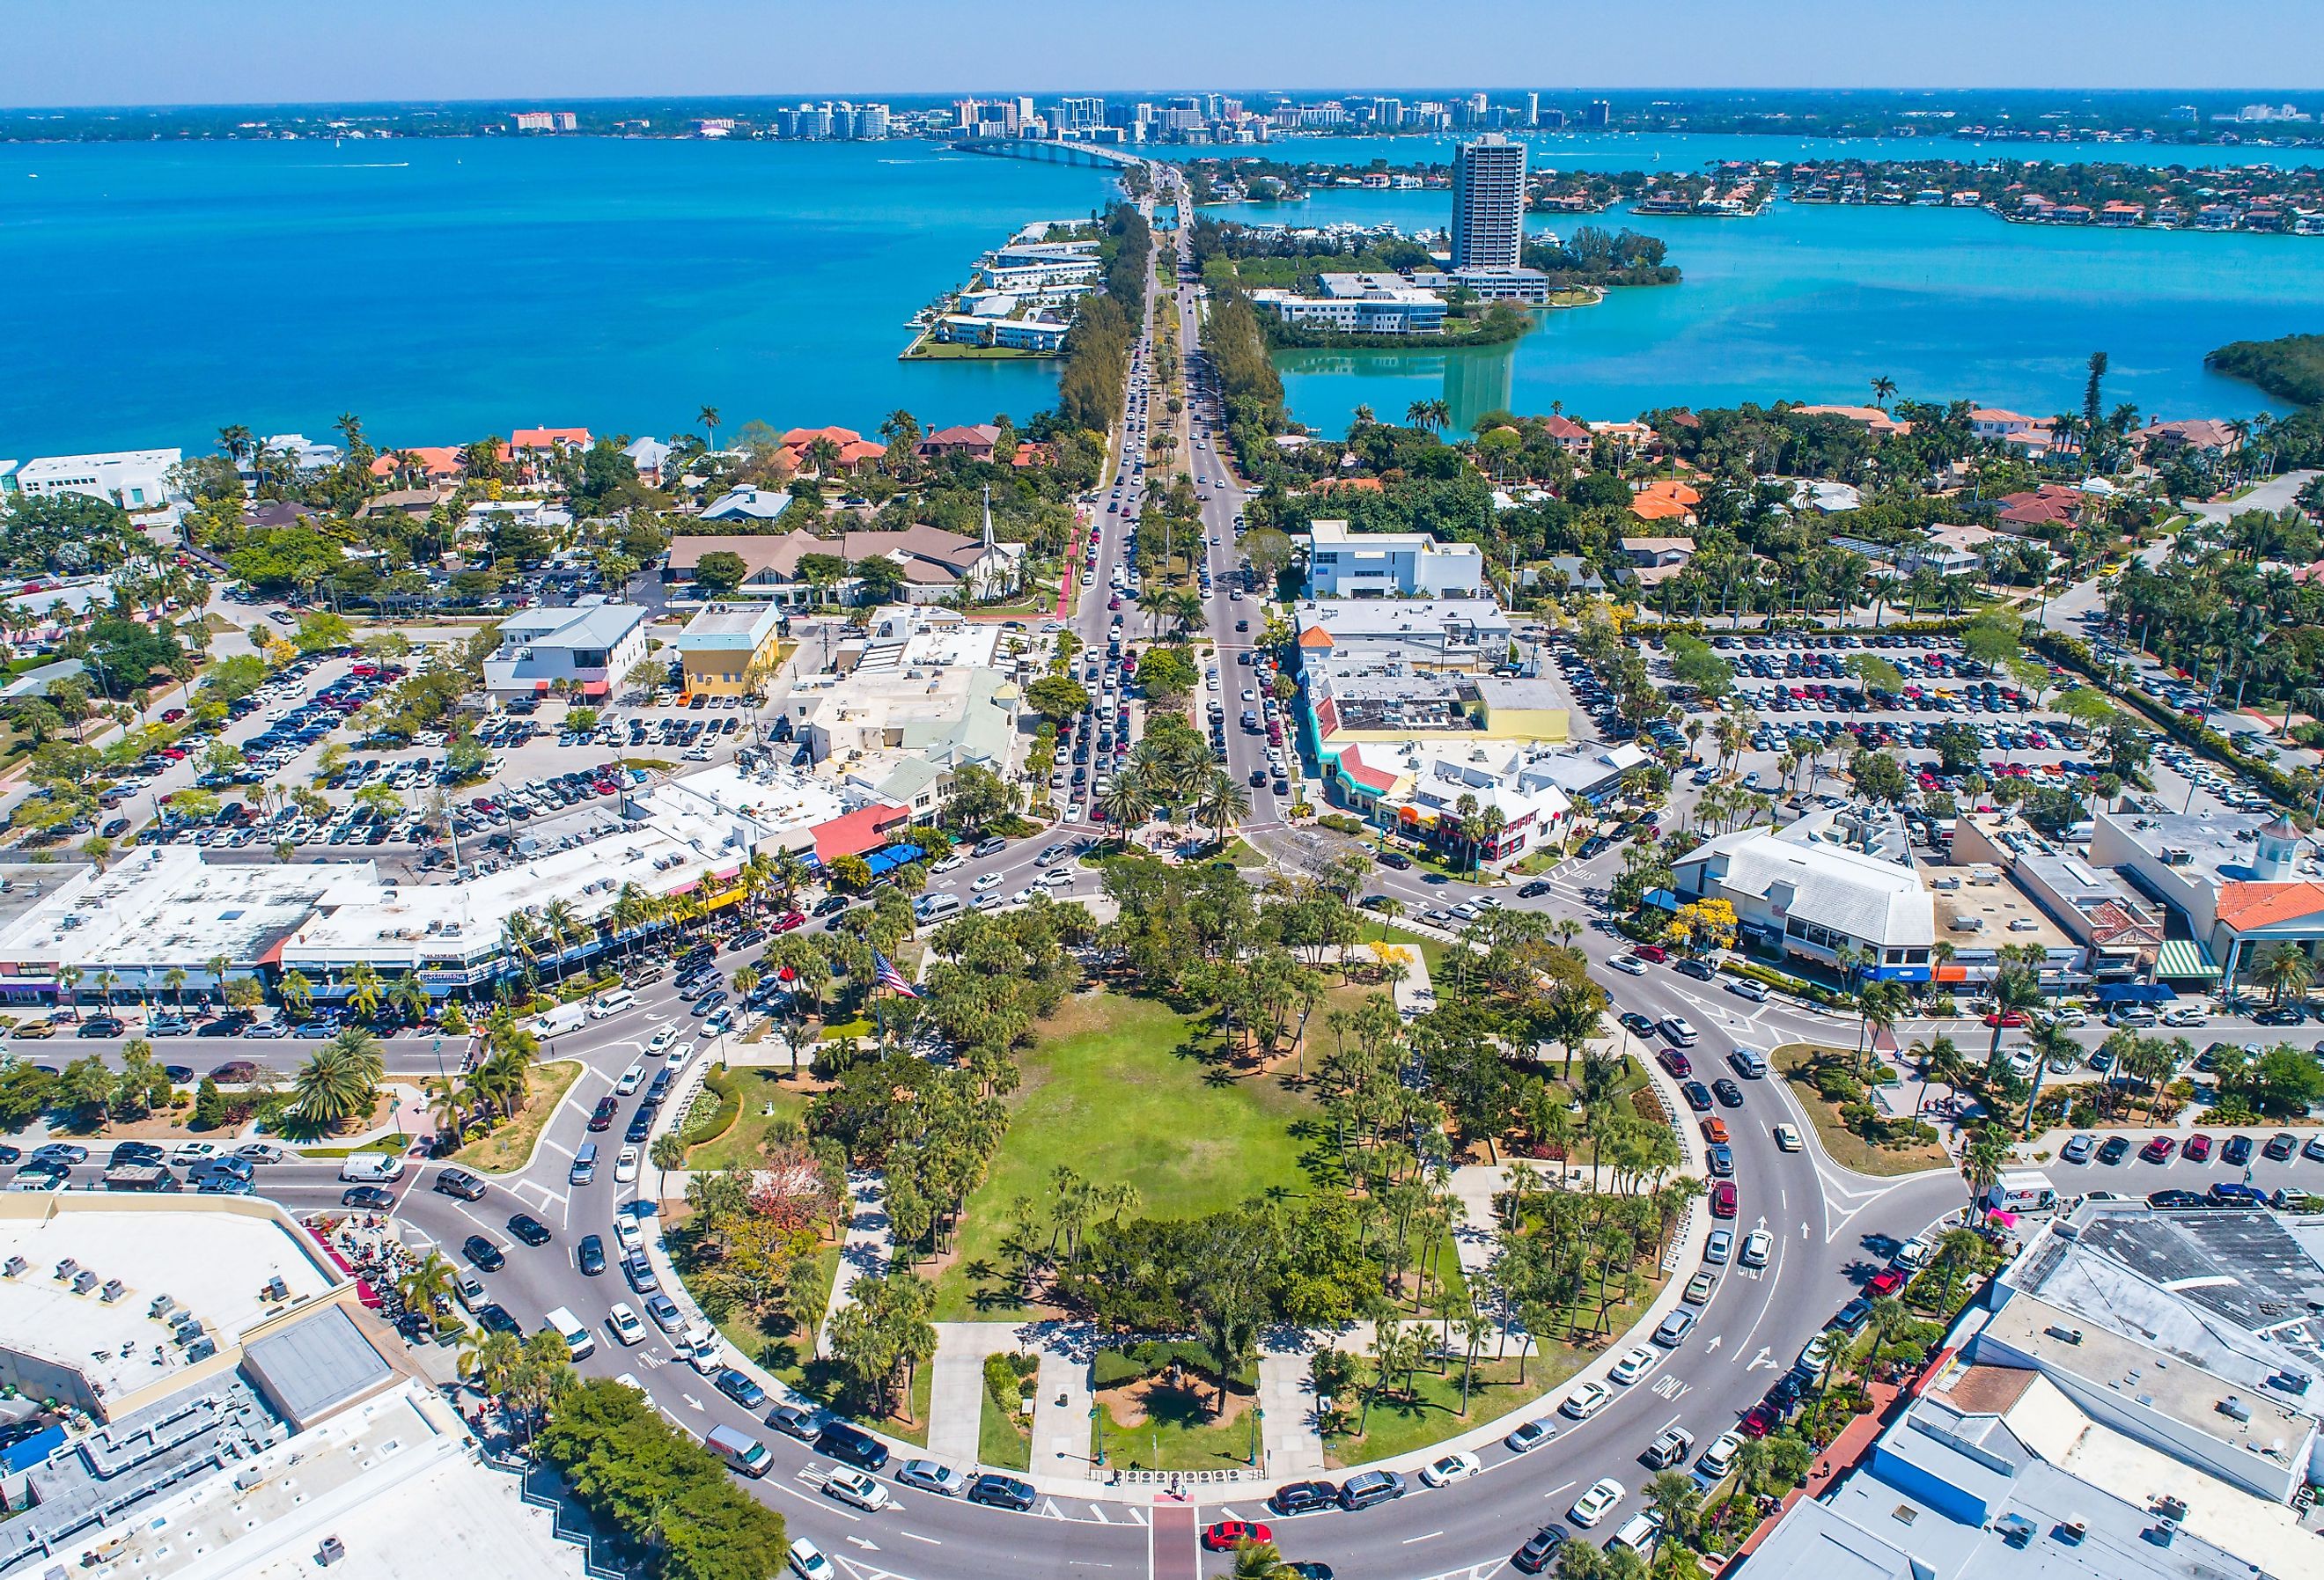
988	518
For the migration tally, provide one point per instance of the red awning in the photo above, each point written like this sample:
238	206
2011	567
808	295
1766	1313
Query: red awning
595	688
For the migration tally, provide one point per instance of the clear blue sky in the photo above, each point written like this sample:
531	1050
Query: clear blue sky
189	51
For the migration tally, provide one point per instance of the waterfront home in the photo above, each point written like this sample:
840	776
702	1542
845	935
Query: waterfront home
534	442
748	505
136	480
2206	437
434	463
1870	417
2119	213
1341	564
1369	304
648	456
975	440
1571	436
415	503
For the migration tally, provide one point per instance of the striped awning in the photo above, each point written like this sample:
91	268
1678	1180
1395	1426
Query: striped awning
2185	958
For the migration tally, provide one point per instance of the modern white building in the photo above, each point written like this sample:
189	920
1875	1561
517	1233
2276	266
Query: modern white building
587	648
1418	788
2236	883
1375	307
1341	564
1489	200
1813	889
1043	334
136	480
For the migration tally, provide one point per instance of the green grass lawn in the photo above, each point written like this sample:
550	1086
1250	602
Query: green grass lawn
1399	1426
1124	1088
758	1089
1182	1437
1002	1443
1430	950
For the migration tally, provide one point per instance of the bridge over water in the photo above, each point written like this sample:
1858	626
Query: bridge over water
1048	151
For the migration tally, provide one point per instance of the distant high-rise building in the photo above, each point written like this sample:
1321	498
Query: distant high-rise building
545	121
1532	109
1600	113
1488	195
873	121
1080	115
1551	120
1387	112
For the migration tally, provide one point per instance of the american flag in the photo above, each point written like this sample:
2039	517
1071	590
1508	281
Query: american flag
885	970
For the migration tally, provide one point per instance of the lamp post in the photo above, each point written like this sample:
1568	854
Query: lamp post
1097	1415
1257	1416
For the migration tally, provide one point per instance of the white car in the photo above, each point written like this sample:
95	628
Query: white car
852	1486
1787	1138
679	1055
1814	1353
1453	1467
1914	1254
1757	1245
623	1324
627	1232
2069	1016
632	1079
1059	878
661	1039
1598	1503
192	1152
951	863
1628	964
625	1166
808	1563
1720	1458
983	881
1635	1362
1024	896
1586	1400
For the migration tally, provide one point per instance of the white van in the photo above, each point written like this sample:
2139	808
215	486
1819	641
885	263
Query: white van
1638	1532
579	1340
937	907
612	1003
372	1167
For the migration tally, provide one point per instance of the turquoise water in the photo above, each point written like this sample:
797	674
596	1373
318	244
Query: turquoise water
448	289
1814	303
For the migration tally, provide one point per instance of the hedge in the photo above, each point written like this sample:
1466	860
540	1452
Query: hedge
1767	977
1112	1368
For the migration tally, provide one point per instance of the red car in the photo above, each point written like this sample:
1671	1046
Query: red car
1676	1063
1228	1534
2009	1020
2198	1149
1885	1282
1757	1422
171	715
1722	1199
786	922
1654	951
2157	1150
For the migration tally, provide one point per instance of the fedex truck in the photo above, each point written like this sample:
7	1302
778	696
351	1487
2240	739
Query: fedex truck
2022	1191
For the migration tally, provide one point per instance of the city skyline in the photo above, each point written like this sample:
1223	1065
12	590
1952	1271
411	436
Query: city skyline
142	52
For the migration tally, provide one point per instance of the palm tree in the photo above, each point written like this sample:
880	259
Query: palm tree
1220	803
1982	1167
1883	388
363	989
298	992
492	1364
1126	803
429	1281
708	418
174	980
2284	968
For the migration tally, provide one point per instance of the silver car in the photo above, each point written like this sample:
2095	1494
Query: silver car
932	1477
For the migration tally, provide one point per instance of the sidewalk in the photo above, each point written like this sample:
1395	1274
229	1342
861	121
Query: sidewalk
956	1387
868	1248
1061	1409
1292	1445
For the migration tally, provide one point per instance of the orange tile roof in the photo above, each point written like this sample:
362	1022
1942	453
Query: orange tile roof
1676	491
1657	507
438	460
546	438
800	438
1361	484
2244	906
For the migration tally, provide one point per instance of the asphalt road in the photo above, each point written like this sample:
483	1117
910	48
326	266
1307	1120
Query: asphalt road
1832	1230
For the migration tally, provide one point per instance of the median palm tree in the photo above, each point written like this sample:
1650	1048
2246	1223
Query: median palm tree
1220	803
2014	991
336	1084
1126	803
491	1364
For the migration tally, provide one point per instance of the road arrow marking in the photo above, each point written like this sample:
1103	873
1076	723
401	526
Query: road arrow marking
1717	1339
866	1543
1760	1360
691	1402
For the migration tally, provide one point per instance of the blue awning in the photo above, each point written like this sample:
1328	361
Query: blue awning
889	859
1661	899
2133	993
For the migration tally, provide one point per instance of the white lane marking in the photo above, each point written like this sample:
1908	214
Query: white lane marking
824	1504
1099	1510
1763	1360
1430	1537
1561	1487
866	1543
1666	1426
916	1535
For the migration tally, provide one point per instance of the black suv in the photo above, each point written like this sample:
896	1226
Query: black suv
856	1446
1302	1497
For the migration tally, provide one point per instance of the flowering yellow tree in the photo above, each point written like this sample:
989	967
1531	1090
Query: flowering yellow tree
1702	926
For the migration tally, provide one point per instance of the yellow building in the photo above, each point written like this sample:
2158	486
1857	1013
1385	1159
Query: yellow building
721	646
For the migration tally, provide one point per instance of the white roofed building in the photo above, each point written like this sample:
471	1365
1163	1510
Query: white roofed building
1812	889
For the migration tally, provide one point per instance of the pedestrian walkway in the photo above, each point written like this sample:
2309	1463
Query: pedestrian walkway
1061	1409
1412	991
869	1246
956	1386
1292	1442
